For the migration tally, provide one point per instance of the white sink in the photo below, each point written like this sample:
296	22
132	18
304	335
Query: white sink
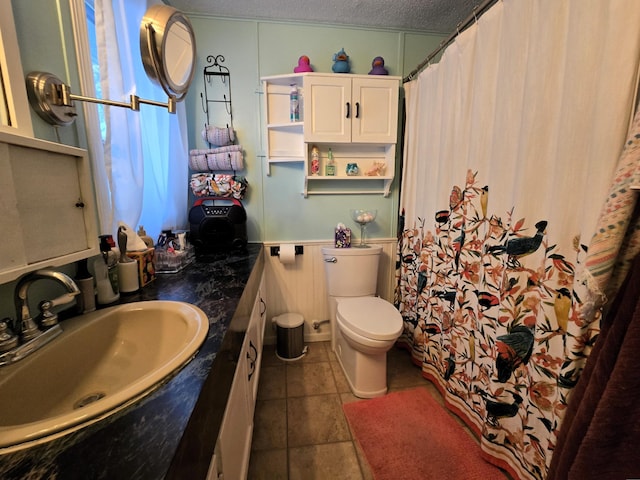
102	362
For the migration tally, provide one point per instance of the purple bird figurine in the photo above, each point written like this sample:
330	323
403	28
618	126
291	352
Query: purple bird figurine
378	67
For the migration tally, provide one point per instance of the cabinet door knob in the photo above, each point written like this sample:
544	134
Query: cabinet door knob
357	109
348	109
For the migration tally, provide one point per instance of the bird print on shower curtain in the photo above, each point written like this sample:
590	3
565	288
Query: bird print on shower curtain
521	246
486	302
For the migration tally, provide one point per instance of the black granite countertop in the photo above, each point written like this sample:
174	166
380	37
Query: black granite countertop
170	433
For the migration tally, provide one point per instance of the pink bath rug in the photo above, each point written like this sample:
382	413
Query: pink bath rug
409	435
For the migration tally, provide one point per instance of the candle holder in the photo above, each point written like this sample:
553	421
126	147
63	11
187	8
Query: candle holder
363	218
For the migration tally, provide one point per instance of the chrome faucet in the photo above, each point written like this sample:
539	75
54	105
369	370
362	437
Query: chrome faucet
31	336
25	326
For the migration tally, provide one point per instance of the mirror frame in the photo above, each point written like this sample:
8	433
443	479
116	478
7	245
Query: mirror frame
13	76
154	30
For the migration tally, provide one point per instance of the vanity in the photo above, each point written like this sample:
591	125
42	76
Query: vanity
183	429
174	432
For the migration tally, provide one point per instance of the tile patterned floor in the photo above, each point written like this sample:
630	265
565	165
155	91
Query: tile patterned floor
300	431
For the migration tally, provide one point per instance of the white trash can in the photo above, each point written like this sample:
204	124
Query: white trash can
289	336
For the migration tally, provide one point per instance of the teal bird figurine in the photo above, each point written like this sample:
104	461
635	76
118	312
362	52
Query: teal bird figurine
341	62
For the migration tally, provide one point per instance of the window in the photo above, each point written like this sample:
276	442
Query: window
140	161
91	30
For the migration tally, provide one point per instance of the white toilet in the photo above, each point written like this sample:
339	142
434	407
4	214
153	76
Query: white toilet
363	327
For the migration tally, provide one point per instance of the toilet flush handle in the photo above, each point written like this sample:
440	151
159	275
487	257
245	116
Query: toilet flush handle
331	260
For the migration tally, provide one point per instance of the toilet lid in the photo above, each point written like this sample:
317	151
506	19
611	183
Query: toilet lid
371	317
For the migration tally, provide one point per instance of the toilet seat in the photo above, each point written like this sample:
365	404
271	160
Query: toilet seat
370	317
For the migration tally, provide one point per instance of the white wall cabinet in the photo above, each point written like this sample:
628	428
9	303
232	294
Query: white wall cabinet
351	109
47	212
354	115
231	457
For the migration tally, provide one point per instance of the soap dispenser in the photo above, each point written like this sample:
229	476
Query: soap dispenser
104	290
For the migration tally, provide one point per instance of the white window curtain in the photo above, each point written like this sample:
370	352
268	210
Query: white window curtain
511	144
141	170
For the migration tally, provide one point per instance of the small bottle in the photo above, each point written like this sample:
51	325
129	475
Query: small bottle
294	104
86	301
110	258
330	167
315	160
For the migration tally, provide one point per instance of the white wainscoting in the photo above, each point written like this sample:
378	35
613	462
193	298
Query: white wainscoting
300	287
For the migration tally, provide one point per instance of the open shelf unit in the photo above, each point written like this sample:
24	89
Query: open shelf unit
285	139
365	156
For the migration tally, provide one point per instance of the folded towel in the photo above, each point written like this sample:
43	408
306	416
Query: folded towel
225	149
218	136
221	158
198	161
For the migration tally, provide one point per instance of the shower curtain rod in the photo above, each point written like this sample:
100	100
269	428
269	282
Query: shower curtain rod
478	10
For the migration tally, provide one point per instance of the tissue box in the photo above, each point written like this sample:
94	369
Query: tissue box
146	265
343	238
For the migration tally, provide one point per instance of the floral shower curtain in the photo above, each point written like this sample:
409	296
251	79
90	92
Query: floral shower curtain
511	143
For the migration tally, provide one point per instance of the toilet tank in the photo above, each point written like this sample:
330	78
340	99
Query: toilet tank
351	272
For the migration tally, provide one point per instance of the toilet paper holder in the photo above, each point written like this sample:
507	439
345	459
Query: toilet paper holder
275	251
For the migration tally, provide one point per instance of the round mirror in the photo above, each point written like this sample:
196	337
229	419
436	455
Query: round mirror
168	49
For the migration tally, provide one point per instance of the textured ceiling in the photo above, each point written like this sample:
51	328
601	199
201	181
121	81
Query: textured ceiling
432	16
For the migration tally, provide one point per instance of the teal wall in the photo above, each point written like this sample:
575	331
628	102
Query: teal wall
45	40
276	208
277	211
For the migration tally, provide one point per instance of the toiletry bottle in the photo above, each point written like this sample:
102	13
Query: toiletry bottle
294	107
110	258
315	160
330	168
114	248
86	301
104	290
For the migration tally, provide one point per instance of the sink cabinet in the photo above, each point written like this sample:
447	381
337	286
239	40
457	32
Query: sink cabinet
231	455
354	115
